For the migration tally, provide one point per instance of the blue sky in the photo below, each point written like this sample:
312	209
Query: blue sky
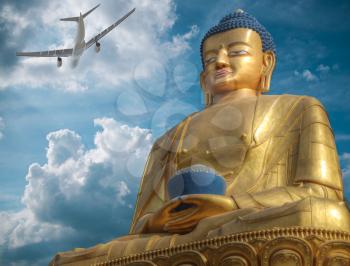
73	142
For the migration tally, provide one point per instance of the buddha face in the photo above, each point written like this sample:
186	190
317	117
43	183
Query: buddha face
234	60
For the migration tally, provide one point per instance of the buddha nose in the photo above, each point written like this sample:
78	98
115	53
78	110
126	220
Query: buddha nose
222	59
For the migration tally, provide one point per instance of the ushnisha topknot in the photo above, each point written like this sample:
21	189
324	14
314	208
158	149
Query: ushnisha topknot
241	19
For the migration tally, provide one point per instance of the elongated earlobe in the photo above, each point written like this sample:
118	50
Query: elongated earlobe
208	96
269	66
208	99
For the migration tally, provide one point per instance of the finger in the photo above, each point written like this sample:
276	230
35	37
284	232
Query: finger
172	204
181	231
174	215
206	201
177	214
190	224
196	199
183	220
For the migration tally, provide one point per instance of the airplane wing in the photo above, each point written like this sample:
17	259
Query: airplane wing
51	53
107	30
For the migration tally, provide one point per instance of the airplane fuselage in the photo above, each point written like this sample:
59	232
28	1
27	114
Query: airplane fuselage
79	46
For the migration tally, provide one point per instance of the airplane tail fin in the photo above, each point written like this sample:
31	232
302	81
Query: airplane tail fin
77	18
87	13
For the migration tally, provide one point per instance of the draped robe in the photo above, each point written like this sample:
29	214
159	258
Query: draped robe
277	155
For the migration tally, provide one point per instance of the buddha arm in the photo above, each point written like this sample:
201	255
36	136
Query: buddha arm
152	192
317	169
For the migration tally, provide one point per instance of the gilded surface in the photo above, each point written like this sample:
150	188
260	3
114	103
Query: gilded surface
279	246
278	157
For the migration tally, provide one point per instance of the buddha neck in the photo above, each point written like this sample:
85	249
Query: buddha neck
234	95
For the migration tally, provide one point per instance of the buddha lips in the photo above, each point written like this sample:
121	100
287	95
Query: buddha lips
222	72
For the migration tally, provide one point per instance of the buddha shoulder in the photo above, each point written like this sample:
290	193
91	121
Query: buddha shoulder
288	107
290	100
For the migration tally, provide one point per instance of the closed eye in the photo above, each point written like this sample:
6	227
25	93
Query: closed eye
239	52
210	60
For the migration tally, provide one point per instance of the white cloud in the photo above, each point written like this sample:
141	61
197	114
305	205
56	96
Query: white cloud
14	21
63	145
122	191
23	228
308	76
179	43
137	39
80	192
323	69
2	126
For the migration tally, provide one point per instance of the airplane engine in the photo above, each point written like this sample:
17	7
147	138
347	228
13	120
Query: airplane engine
59	61
97	47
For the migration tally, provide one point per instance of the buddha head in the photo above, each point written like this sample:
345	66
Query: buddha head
238	53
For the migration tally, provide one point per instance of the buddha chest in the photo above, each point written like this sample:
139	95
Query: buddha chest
218	137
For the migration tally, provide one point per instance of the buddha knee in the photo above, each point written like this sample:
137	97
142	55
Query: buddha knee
329	213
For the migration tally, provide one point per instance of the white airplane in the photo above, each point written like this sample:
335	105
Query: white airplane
80	44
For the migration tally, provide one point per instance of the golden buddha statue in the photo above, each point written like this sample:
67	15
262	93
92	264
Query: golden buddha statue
276	154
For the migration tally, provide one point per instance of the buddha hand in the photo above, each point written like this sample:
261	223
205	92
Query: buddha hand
201	206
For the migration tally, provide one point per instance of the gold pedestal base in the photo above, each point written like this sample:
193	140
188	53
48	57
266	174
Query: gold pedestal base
277	246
